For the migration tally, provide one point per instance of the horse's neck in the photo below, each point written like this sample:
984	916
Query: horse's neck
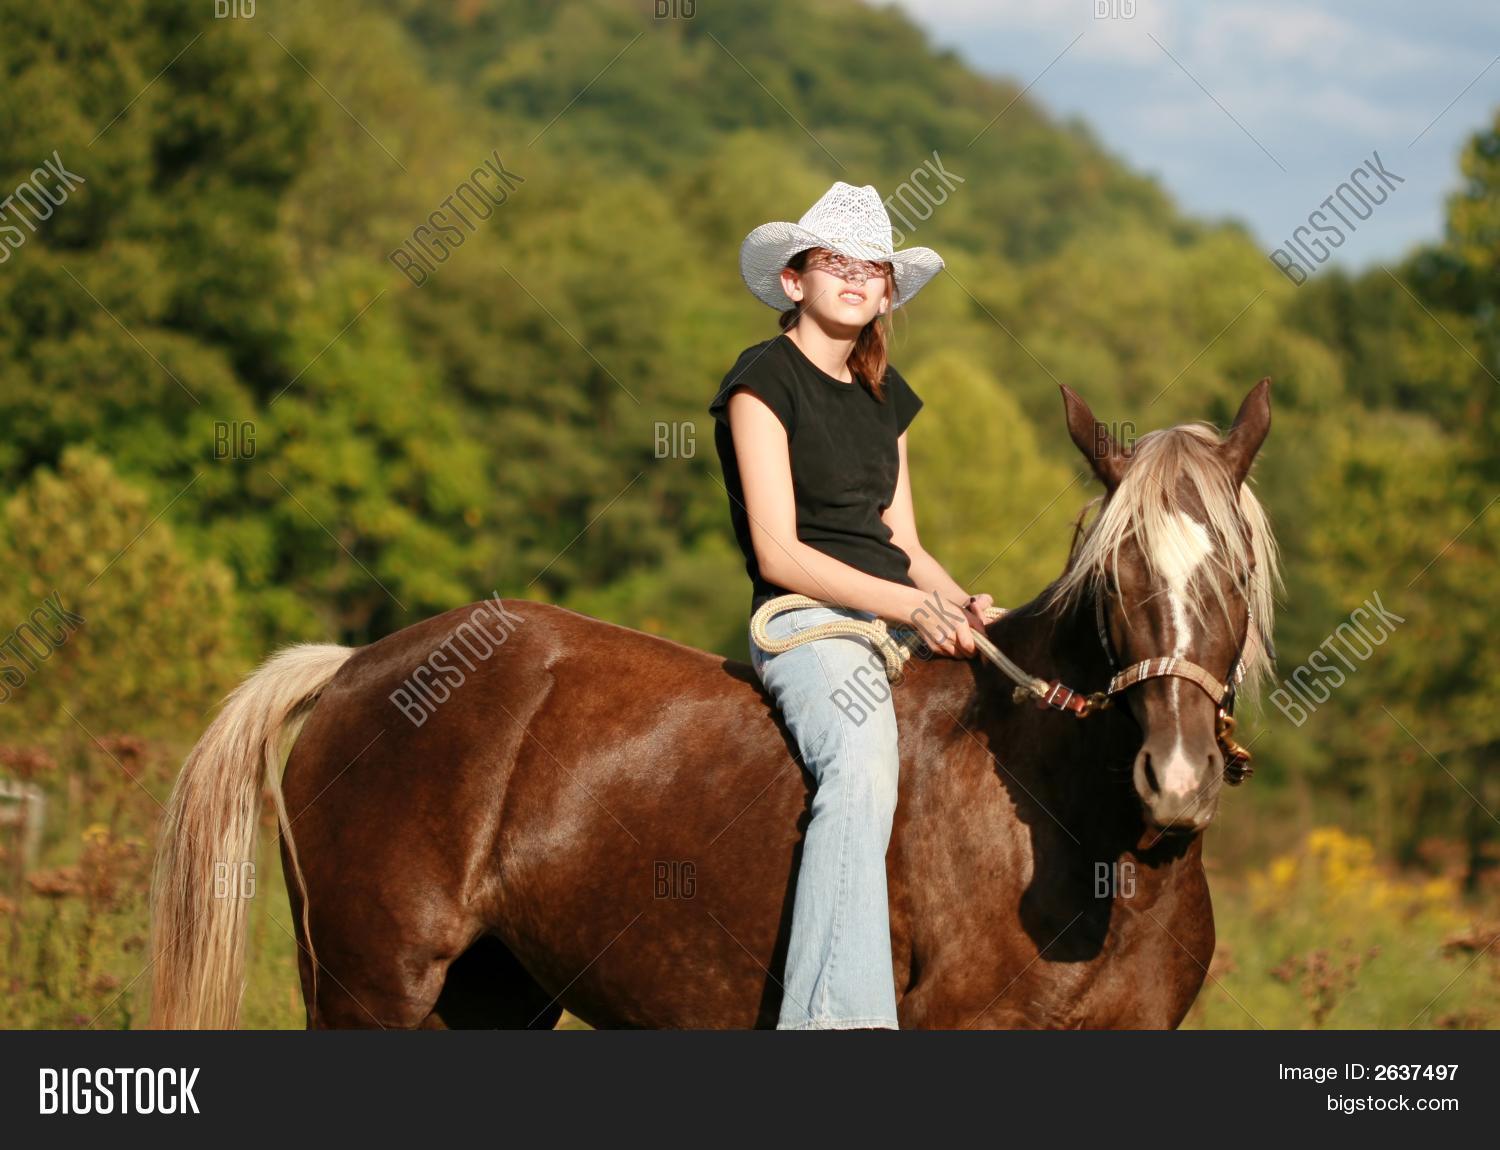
1060	644
1080	768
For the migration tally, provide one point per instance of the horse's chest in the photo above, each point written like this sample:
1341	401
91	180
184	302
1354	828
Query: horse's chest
1055	954
1151	966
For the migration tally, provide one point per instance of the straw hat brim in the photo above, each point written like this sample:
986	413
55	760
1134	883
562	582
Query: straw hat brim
766	251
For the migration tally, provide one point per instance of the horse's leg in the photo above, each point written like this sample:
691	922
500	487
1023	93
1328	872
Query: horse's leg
487	988
393	954
383	948
974	992
375	981
957	1007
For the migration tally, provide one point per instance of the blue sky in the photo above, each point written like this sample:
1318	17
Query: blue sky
1256	109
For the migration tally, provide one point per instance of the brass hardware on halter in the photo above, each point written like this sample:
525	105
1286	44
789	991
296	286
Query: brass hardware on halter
1096	702
1237	766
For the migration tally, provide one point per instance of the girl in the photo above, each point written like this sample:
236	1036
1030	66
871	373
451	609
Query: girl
811	435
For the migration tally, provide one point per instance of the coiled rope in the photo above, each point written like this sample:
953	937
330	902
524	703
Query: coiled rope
895	652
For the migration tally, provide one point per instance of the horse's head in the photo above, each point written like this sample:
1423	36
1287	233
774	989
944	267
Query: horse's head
1178	563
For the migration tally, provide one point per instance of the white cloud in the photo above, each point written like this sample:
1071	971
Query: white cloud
1258	35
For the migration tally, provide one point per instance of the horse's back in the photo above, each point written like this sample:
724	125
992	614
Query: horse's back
417	708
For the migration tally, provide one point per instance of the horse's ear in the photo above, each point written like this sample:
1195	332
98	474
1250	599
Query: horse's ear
1249	431
1093	439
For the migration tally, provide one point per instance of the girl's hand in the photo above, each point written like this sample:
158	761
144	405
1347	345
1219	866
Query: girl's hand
975	610
944	628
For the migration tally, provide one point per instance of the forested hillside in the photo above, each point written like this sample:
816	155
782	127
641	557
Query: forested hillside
497	427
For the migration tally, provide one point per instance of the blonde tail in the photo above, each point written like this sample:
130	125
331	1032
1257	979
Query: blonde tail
198	903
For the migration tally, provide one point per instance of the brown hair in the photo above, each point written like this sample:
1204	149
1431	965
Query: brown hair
867	362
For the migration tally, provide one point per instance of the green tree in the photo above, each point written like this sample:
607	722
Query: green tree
158	643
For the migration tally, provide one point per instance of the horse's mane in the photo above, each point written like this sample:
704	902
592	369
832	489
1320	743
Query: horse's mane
1148	505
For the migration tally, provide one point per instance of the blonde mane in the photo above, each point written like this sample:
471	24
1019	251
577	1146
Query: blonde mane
1152	505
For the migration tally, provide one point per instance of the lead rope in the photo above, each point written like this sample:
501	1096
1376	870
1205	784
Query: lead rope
894	651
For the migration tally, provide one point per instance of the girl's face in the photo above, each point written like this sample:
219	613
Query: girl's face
838	290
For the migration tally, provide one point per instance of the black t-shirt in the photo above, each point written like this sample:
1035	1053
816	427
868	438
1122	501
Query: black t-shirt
842	446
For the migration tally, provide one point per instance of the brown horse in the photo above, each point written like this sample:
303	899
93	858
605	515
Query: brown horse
512	809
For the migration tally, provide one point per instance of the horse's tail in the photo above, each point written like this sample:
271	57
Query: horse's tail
199	899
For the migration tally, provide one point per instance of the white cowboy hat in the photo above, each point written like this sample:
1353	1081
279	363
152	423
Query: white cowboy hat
846	219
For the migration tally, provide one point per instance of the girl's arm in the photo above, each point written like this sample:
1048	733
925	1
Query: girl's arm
926	571
760	446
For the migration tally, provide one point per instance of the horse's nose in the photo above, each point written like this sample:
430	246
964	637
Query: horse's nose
1178	790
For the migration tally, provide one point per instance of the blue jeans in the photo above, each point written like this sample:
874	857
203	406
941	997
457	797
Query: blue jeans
835	700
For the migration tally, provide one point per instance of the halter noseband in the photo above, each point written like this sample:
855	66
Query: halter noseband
1168	665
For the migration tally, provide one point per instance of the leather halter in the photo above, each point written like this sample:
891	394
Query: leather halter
1237	766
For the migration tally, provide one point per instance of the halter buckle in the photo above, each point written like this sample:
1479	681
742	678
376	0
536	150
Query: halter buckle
1061	698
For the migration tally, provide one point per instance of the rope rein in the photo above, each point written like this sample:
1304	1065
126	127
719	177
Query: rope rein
896	650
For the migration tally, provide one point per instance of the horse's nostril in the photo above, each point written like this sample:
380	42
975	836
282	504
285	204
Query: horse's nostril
1150	773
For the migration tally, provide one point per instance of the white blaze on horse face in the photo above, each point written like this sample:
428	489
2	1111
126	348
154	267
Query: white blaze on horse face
1183	553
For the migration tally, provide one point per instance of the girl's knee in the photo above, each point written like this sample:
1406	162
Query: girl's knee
864	774
873	748
886	774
